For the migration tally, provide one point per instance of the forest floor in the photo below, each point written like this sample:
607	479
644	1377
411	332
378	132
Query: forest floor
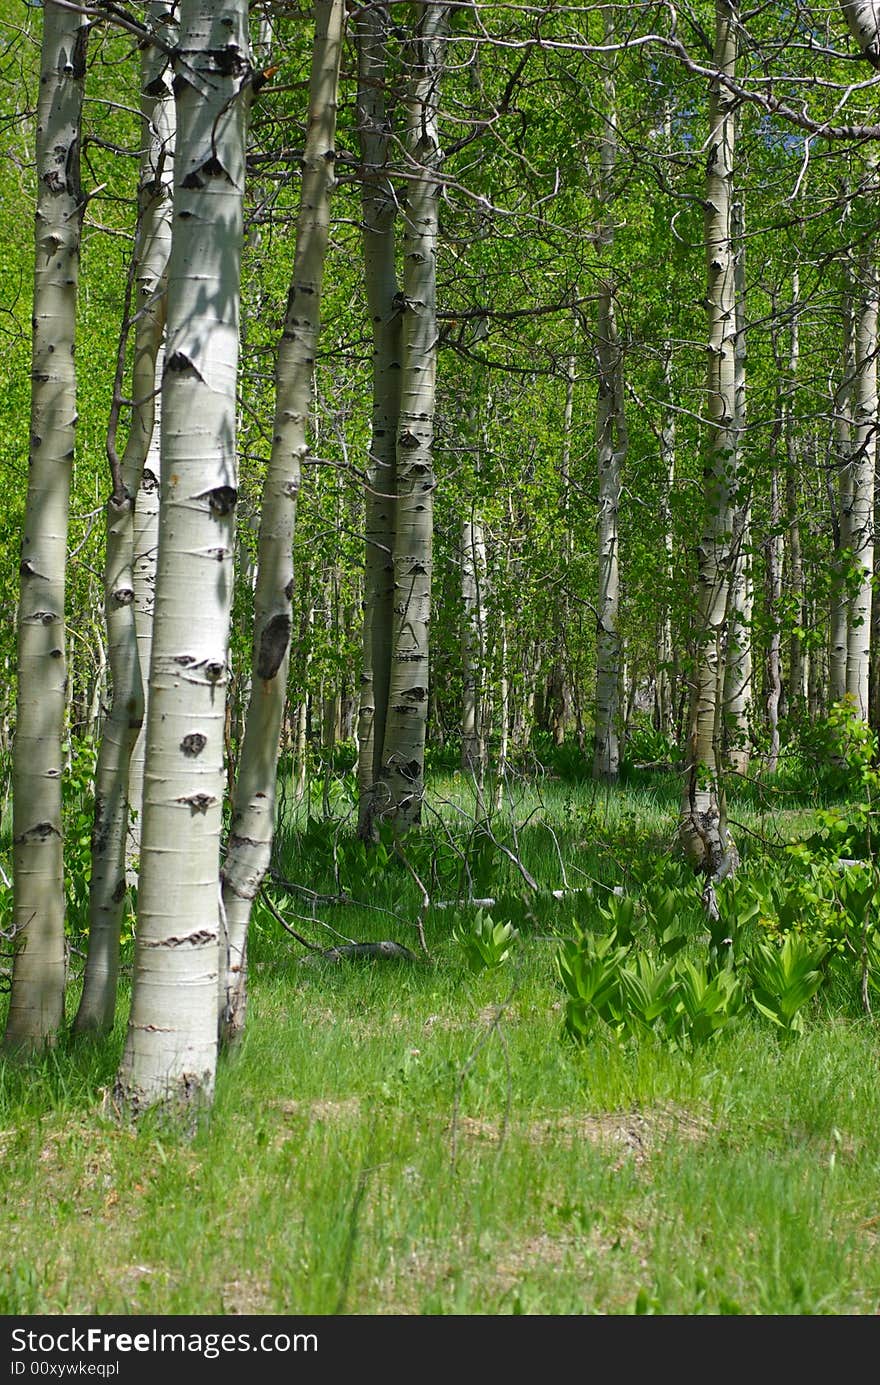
421	1137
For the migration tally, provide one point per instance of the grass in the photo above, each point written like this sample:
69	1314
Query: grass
416	1138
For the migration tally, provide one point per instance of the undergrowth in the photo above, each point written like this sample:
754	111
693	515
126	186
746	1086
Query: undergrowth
583	1095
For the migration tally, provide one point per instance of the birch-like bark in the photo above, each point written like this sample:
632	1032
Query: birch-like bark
863	18
503	715
379	206
145	542
36	1009
843	465
817	666
565	466
171	1045
253	813
774	601
738	660
128	675
611	447
473	650
796	662
704	833
403	756
864	461
666	650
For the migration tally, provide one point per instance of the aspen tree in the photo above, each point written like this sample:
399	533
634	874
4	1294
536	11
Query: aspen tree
737	692
842	434
379	208
171	1045
121	731
666	439
704	832
473	649
403	756
36	1009
611	448
775	553
253	813
860	519
796	662
863	18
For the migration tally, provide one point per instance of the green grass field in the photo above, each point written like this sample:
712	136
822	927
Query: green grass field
416	1137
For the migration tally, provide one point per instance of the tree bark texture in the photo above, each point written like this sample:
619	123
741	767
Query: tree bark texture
36	1009
838	638
860	521
403	757
253	813
171	1045
379	205
611	448
128	675
738	653
473	649
704	833
796	661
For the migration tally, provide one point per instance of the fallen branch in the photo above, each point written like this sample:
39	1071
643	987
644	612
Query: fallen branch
384	950
490	901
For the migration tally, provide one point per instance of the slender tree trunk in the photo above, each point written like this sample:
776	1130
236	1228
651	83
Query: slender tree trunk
123	730
98	685
842	538
864	457
473	649
611	447
503	715
738	660
559	697
817	671
171	1045
796	664
157	174
379	216
565	467
145	543
704	832
36	1009
666	649
774	601
253	814
403	756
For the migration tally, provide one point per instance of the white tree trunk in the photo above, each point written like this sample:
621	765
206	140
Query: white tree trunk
796	662
774	600
864	466
171	1046
666	649
36	1009
473	649
253	813
611	448
403	755
128	675
379	205
863	18
843	464
145	545
503	715
704	833
738	660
